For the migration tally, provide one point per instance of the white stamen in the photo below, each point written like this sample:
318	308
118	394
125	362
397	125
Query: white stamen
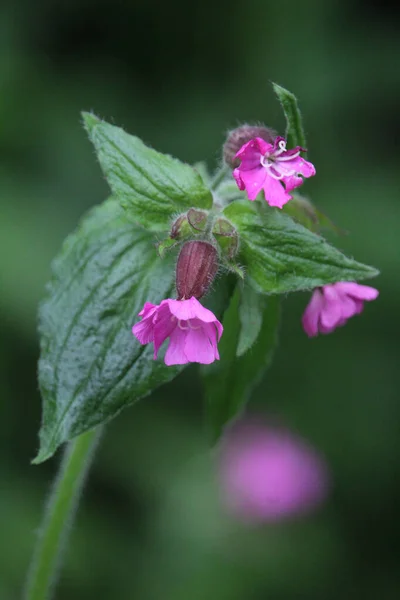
273	175
281	175
282	148
188	325
282	158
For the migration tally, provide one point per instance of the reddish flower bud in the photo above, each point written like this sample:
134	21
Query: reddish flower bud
196	268
240	136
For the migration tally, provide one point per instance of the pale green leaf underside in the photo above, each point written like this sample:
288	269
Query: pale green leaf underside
152	187
91	366
283	256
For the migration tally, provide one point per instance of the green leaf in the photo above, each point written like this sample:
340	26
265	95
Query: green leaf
91	366
295	135
304	212
251	309
153	187
281	255
230	381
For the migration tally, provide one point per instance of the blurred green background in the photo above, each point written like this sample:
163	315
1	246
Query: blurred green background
178	75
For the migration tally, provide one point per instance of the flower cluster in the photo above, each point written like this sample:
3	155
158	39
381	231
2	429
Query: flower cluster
261	162
272	168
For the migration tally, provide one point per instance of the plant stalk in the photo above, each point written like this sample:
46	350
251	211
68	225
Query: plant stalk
59	515
220	175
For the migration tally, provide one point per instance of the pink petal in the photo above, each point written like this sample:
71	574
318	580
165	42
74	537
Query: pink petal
253	180
359	306
147	308
238	179
252	151
292	182
331	313
275	193
175	354
190	309
349	306
312	313
164	325
144	331
360	292
302	166
198	347
213	330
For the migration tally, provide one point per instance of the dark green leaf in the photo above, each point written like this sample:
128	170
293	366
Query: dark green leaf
294	126
91	366
153	187
304	212
251	309
230	381
283	256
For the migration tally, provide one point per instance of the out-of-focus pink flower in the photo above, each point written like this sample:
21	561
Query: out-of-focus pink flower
331	305
193	331
272	168
269	474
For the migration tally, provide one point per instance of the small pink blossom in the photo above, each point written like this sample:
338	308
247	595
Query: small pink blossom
332	305
193	331
269	474
272	168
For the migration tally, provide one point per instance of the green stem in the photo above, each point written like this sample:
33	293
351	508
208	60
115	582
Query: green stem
59	514
220	176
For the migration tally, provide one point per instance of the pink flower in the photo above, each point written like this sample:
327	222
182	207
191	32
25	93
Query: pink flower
272	168
193	331
269	474
331	305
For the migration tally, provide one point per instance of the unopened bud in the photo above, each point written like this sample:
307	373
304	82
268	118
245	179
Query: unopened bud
227	237
240	136
195	270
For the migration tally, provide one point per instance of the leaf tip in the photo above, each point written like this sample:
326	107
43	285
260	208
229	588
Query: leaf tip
42	456
280	91
89	120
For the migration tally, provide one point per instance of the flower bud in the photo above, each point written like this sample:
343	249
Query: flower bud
227	237
240	136
195	270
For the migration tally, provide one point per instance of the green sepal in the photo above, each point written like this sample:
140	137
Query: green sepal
226	237
165	245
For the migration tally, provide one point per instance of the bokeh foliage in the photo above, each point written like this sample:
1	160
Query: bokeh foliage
150	524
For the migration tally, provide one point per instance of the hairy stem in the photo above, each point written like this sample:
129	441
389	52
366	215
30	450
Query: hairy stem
59	514
219	176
